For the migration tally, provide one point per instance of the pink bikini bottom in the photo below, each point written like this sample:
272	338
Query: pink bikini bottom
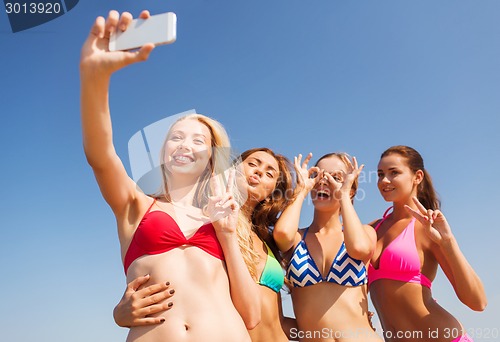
463	338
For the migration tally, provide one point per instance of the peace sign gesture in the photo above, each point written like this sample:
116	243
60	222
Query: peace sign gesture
222	207
342	182
434	222
304	180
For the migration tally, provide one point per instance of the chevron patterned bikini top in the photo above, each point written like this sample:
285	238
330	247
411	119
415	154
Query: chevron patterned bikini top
302	270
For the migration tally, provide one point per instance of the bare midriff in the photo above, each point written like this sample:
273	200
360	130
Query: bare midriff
202	309
408	312
331	312
269	328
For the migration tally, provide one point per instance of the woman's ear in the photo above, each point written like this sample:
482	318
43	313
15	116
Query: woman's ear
352	193
419	177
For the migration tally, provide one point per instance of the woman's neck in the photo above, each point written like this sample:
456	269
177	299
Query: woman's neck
399	211
326	220
182	192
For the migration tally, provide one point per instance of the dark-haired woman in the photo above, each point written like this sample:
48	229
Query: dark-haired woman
411	242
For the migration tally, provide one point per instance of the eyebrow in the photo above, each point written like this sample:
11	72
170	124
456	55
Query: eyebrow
260	162
183	133
389	169
334	171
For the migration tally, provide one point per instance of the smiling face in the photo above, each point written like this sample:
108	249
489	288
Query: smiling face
261	172
187	148
323	192
396	181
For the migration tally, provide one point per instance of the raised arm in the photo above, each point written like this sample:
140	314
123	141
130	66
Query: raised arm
467	284
97	64
360	240
285	231
223	211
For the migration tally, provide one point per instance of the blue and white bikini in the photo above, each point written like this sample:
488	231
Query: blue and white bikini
302	270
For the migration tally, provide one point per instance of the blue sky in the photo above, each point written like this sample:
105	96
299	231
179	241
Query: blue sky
296	76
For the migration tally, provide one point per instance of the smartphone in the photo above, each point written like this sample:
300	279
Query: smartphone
158	29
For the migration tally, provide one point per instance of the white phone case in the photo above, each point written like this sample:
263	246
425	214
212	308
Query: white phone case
158	29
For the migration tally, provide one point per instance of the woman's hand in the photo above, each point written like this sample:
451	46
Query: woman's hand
434	222
306	178
95	55
137	304
222	207
342	182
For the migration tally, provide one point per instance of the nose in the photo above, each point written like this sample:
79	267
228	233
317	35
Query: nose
323	180
183	145
383	179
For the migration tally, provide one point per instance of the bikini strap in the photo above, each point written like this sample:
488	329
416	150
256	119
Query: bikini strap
386	212
151	206
386	215
305	233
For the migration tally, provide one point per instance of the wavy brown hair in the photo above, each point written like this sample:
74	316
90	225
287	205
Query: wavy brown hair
426	193
266	213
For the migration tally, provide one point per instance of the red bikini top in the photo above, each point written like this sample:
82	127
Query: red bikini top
158	233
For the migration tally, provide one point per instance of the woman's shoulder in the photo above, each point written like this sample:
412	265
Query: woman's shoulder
374	223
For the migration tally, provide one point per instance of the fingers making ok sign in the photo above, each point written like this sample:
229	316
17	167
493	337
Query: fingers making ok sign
343	181
306	178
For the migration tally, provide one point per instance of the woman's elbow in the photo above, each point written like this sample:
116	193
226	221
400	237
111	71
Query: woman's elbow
361	252
479	305
279	234
252	320
283	239
476	303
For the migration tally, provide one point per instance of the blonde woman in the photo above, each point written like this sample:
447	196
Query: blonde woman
187	234
268	182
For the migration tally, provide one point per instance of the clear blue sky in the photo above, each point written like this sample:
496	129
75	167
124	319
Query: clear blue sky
296	76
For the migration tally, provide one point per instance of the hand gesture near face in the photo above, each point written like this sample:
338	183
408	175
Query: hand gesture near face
341	181
95	54
306	178
434	222
222	207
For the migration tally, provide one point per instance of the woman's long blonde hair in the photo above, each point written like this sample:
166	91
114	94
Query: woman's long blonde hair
220	162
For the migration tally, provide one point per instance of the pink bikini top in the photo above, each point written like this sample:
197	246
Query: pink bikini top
399	260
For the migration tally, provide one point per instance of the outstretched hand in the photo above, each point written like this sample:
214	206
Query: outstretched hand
222	207
95	54
306	178
434	222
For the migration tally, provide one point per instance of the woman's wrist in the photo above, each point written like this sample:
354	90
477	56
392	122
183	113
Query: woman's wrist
448	243
345	197
92	72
